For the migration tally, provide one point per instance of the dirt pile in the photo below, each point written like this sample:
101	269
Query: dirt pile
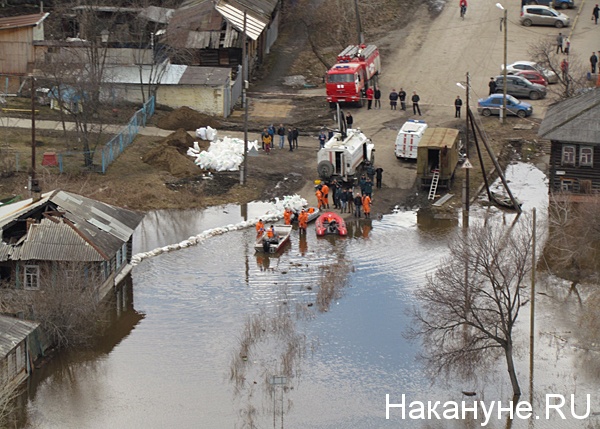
170	155
188	119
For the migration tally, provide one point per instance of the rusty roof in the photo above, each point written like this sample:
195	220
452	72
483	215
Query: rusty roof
12	332
22	21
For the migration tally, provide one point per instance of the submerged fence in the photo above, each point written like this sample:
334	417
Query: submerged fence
118	143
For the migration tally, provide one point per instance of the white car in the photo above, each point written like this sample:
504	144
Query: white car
518	66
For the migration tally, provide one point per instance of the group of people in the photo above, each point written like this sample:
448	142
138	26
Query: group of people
271	234
400	96
268	136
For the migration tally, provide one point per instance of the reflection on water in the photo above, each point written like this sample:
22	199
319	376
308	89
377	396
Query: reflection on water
320	326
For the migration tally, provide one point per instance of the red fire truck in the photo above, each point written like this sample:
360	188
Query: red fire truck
356	70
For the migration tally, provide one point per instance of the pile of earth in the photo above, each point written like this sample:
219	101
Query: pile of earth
188	119
170	155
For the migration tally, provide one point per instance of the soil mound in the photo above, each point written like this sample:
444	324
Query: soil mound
170	155
180	140
188	119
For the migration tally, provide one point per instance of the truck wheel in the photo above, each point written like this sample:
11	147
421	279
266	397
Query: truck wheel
325	169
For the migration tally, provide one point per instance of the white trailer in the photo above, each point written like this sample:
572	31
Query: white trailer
408	139
344	156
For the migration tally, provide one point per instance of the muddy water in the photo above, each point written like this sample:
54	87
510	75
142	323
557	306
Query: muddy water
215	336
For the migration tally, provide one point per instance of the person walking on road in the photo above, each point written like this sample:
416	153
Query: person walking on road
492	85
457	105
290	137
393	99
369	95
295	134
415	101
377	96
281	134
559	43
378	174
402	96
593	62
322	139
349	120
595	14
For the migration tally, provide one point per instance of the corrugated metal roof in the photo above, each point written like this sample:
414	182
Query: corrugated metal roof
256	19
161	15
98	228
574	119
12	332
131	74
51	241
22	21
207	76
195	25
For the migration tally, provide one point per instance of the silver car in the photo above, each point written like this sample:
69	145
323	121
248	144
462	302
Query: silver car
543	15
518	86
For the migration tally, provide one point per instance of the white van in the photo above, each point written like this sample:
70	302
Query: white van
408	139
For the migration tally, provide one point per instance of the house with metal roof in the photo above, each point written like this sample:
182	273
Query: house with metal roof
19	347
573	129
17	56
62	228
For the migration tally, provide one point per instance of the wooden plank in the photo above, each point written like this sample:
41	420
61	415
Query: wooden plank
442	200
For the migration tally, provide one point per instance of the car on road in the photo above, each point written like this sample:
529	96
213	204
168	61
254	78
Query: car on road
533	77
518	66
543	15
557	4
492	105
518	86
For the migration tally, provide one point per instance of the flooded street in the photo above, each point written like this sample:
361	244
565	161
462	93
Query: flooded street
217	337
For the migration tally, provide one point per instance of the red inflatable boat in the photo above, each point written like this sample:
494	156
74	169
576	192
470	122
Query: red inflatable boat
330	223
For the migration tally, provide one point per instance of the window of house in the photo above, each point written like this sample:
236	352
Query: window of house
124	254
566	185
32	277
118	259
568	155
586	156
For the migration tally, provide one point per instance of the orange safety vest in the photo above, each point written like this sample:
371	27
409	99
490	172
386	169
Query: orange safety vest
302	219
366	204
260	227
287	217
311	210
270	233
325	190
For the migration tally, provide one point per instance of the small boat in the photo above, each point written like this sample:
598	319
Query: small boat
313	213
273	245
504	200
330	223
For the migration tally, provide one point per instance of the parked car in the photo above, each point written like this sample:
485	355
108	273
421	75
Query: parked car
562	4
543	15
518	66
518	86
533	77
492	105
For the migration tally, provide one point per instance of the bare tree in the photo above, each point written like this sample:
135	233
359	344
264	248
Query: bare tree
573	247
66	305
8	396
469	307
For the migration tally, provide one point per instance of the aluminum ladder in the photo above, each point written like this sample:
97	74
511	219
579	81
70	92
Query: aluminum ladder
434	184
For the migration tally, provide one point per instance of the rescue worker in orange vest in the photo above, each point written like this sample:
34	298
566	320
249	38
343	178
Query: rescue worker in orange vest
319	195
303	221
366	203
325	192
260	227
271	232
287	216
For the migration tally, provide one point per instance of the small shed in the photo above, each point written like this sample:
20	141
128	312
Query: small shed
438	151
19	347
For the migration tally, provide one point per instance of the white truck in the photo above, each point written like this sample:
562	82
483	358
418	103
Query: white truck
408	139
344	155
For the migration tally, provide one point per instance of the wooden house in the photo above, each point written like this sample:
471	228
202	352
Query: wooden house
37	237
17	34
19	347
437	154
573	129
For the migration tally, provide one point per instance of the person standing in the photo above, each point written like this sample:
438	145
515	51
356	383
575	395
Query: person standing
343	200
564	68
378	174
287	216
322	139
492	85
370	170
295	134
377	96
337	193
366	205
566	45
349	120
368	187
415	101
593	62
559	43
272	132
350	200
319	196
302	221
325	195
457	105
369	95
393	99
357	205
260	228
281	134
595	14
402	96
290	137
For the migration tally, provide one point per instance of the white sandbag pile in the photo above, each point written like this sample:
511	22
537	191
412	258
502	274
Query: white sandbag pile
223	155
294	202
206	133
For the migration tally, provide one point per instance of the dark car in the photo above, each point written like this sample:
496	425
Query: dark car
562	4
493	105
518	86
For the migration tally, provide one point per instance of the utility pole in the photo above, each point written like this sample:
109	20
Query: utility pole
504	22
467	179
34	188
532	313
361	38
244	172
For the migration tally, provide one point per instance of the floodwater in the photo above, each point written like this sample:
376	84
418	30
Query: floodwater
214	336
